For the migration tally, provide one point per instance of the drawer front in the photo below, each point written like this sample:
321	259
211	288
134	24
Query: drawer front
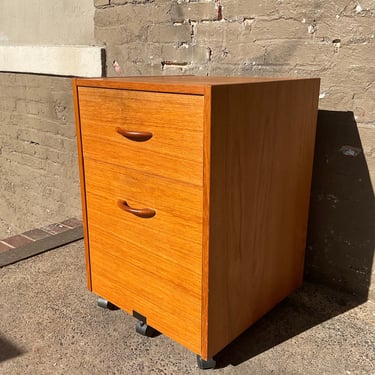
150	265
175	122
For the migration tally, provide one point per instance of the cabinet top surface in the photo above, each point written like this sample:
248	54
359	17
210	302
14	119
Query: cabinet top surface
179	84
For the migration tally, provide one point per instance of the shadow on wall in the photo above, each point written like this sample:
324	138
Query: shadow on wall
340	243
341	238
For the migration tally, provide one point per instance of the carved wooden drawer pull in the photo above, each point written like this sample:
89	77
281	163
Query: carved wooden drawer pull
145	213
134	135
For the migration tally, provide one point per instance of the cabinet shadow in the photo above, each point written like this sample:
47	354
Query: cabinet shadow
8	350
311	305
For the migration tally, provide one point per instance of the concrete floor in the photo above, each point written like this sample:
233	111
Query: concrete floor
6	230
50	324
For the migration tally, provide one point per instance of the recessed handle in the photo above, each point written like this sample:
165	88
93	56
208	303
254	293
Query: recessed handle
145	213
134	135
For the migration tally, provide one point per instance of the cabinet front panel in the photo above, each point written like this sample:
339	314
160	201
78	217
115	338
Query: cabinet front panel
150	265
153	132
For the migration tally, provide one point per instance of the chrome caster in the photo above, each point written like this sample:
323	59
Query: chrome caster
145	330
105	304
205	365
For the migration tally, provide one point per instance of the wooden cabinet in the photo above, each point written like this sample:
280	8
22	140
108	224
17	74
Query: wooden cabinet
195	196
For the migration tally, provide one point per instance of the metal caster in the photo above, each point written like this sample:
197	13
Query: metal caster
103	303
145	330
205	365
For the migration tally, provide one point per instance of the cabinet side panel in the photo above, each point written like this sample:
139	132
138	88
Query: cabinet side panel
82	181
262	144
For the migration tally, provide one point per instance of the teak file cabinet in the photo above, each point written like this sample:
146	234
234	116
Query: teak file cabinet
195	196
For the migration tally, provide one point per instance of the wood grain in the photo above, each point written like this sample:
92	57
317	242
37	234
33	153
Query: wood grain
170	300
195	85
178	207
262	144
152	265
175	122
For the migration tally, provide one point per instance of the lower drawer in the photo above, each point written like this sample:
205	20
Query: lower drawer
135	280
150	265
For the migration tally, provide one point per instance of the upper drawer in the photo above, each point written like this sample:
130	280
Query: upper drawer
175	121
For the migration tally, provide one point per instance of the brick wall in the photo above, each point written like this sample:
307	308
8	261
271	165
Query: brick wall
332	40
38	156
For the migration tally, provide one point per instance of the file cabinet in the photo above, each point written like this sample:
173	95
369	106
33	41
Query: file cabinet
195	195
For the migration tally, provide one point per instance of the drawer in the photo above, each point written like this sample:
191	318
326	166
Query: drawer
175	230
150	265
174	120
